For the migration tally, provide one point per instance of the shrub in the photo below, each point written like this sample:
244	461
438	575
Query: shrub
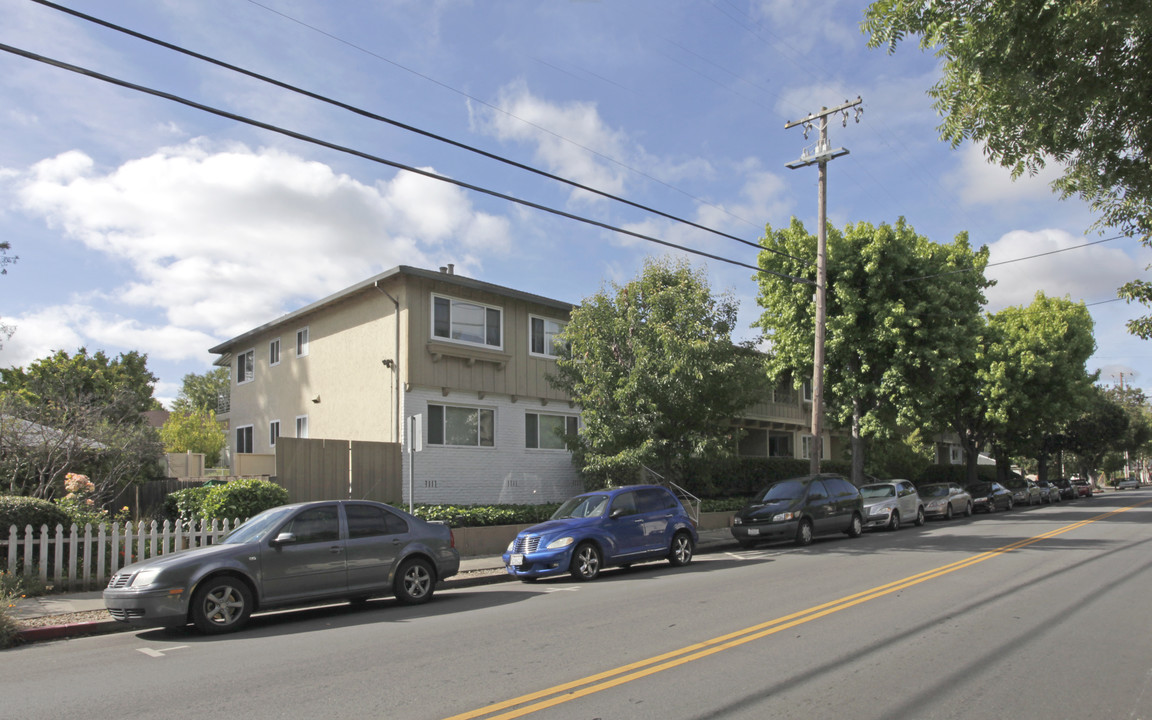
241	499
11	590
20	511
186	504
485	515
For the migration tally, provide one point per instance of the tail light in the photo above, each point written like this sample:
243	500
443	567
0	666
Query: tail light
451	538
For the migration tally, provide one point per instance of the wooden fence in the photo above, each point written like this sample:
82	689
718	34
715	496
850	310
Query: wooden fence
86	558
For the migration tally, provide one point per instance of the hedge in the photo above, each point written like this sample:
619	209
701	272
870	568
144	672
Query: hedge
21	511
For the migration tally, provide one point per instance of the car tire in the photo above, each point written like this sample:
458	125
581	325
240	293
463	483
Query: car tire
856	526
415	581
221	604
682	549
948	511
804	533
920	518
968	509
894	522
585	563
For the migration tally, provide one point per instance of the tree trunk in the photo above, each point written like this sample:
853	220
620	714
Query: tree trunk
857	447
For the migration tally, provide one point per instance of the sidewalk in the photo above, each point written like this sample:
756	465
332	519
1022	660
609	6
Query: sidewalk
474	571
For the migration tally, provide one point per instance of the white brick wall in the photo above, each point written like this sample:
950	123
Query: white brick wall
506	473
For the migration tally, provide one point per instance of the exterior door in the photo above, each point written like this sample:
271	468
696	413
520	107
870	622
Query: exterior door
310	566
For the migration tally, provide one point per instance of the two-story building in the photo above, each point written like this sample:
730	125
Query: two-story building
469	358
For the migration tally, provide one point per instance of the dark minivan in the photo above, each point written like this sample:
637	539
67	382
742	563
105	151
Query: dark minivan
801	508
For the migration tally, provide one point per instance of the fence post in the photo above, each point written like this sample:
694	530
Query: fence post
86	575
13	538
102	544
29	551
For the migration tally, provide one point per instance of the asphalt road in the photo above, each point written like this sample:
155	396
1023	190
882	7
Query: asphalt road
1038	613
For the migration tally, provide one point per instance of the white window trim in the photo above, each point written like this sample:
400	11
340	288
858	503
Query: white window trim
566	416
279	349
549	355
252	433
247	378
478	409
307	432
806	448
450	339
302	348
274	425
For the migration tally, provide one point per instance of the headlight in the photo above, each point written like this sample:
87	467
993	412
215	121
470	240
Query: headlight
737	520
145	578
561	543
511	545
980	499
936	504
879	510
784	517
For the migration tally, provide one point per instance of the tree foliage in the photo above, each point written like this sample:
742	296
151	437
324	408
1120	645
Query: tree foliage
202	392
902	313
195	432
1042	80
654	370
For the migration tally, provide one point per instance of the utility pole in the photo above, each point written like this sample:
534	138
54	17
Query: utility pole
820	156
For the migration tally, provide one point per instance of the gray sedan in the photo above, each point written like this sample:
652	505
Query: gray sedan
289	555
945	500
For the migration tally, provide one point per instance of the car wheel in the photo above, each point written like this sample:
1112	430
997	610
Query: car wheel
415	581
681	553
894	521
585	562
968	509
804	533
221	604
920	519
948	511
856	527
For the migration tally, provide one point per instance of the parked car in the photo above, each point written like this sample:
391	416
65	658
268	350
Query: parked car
288	555
1127	484
595	530
1049	492
887	504
1083	488
801	508
990	496
1067	490
945	500
1024	492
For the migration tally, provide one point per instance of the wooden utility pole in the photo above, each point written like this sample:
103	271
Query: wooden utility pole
820	156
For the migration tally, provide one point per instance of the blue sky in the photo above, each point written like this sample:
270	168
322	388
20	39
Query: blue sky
145	225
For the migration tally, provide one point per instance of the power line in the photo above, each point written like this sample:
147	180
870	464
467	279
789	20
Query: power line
1016	260
377	159
396	123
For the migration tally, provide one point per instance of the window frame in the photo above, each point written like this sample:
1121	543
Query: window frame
567	418
431	437
274	352
452	301
305	434
302	341
248	438
273	432
249	359
549	350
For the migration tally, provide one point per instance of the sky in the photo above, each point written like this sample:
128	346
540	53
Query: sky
144	224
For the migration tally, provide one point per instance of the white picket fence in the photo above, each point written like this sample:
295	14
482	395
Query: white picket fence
85	558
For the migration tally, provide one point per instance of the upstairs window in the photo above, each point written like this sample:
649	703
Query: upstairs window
245	367
302	342
244	439
543	336
274	352
273	432
301	426
467	322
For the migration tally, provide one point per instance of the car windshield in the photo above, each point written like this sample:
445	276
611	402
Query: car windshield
933	491
784	490
258	527
582	506
980	488
878	491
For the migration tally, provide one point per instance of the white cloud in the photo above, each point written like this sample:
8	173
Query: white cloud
982	182
221	240
1088	273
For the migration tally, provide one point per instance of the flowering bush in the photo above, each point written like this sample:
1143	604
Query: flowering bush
82	509
77	484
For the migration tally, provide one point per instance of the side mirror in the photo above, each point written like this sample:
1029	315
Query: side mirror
284	538
616	512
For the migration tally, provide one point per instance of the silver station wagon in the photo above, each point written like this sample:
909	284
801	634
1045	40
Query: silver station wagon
288	555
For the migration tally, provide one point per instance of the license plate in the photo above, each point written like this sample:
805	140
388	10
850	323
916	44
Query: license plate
517	560
753	531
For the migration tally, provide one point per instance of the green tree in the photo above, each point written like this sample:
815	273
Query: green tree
6	330
1042	80
654	370
902	313
1034	379
1097	431
203	392
194	431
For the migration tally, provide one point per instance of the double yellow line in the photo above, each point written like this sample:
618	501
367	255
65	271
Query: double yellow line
543	699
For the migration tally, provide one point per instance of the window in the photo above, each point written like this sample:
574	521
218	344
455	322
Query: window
273	432
302	342
244	439
274	352
464	426
955	455
547	432
543	338
369	521
301	426
245	367
466	321
806	448
807	391
320	524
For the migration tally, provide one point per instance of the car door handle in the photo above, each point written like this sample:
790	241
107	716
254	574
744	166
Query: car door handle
335	549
